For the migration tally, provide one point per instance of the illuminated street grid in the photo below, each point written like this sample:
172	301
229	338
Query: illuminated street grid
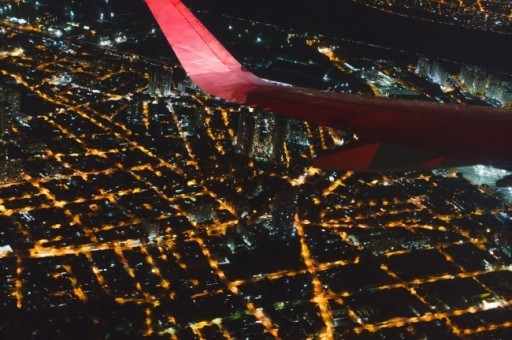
108	235
494	15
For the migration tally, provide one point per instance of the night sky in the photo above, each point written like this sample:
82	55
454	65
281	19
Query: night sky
346	19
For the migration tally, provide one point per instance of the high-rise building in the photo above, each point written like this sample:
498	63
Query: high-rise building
493	88
433	70
245	131
506	97
278	139
9	110
261	135
188	120
160	83
503	238
479	84
187	85
9	107
423	67
134	112
465	74
284	208
9	168
438	74
482	83
296	132
476	80
262	147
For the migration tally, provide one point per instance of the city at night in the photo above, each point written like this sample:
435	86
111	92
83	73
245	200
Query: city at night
141	197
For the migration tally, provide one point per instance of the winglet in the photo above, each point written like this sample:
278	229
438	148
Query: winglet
204	58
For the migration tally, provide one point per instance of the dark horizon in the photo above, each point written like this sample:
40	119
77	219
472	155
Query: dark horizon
348	20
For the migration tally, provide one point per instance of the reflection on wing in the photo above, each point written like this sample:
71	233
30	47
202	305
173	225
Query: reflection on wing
396	134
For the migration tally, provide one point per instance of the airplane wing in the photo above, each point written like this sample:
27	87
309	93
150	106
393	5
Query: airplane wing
394	134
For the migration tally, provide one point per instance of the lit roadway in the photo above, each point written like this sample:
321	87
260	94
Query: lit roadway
495	14
70	105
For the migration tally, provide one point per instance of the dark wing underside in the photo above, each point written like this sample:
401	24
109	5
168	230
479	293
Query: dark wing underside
394	134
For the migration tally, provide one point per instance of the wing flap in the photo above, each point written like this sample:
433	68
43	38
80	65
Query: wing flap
379	156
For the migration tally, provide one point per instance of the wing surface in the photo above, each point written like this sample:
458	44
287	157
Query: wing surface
423	134
205	60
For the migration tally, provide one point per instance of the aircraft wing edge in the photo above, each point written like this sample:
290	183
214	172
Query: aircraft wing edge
206	61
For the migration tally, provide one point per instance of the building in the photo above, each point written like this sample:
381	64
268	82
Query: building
160	83
188	120
186	85
9	106
482	83
279	138
438	74
423	67
475	79
283	210
244	131
296	132
134	112
262	146
503	238
10	169
9	110
433	70
261	135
